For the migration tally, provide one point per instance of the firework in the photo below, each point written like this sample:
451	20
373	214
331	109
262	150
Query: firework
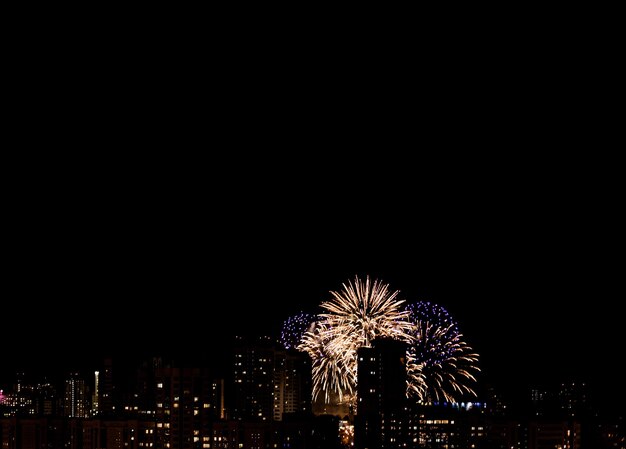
332	368
294	328
441	366
363	311
356	315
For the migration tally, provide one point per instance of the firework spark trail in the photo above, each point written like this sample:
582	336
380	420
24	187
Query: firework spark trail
294	329
440	364
365	310
358	314
332	368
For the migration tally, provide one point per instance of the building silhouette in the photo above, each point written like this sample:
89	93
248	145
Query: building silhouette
574	399
264	401
218	407
269	382
106	386
253	379
183	408
550	434
292	387
381	418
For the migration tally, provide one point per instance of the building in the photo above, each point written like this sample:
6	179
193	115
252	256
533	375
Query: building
573	399
106	386
218	407
381	418
95	398
34	433
295	431
75	399
116	434
552	434
292	383
269	382
253	379
183	408
454	426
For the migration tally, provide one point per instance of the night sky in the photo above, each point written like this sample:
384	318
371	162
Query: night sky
164	212
528	275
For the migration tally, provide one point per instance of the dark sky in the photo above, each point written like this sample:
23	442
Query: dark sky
530	275
172	201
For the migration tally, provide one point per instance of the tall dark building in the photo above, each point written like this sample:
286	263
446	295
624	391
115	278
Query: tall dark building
145	390
183	408
292	383
381	417
573	399
269	382
218	409
253	379
46	400
106	402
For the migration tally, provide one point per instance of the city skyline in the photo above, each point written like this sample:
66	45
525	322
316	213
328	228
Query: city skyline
266	395
532	286
521	359
160	205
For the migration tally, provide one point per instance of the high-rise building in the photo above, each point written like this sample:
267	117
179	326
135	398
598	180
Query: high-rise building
292	383
381	418
253	379
96	394
75	402
45	400
183	408
218	409
573	399
569	400
106	403
269	382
